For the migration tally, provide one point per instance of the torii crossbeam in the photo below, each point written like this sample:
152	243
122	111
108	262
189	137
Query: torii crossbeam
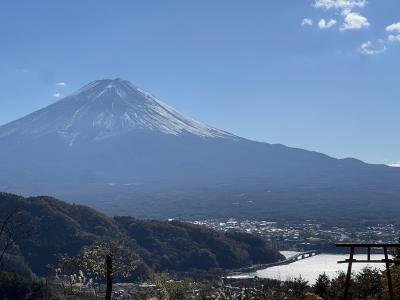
368	247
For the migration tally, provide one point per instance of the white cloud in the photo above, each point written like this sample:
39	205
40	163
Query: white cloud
395	30
351	20
57	95
368	48
306	22
394	38
61	84
345	6
348	17
393	27
354	21
323	24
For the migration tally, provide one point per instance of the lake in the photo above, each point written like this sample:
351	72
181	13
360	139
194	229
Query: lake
310	268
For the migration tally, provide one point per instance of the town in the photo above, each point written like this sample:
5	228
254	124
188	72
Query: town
307	235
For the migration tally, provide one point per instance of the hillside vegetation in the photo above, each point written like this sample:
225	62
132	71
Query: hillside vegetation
56	227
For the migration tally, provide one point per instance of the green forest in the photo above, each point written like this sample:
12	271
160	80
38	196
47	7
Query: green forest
45	227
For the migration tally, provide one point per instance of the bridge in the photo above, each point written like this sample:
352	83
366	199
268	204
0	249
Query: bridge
300	256
289	260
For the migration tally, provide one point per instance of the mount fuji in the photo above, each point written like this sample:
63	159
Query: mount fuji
104	109
118	148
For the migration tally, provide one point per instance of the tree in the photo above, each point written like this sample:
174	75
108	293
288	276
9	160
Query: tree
169	289
12	230
336	289
368	283
321	285
13	286
99	262
295	288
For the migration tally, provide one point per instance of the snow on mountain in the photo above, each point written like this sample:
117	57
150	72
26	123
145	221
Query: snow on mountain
395	165
106	108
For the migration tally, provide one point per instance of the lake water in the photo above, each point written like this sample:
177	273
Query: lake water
310	268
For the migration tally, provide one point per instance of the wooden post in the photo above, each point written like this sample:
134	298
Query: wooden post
348	275
109	272
47	290
389	277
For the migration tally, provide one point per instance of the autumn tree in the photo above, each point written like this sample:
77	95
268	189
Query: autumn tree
101	261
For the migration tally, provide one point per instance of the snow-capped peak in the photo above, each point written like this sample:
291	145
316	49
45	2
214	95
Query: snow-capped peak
395	165
106	108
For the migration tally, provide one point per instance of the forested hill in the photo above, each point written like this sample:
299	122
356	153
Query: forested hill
56	227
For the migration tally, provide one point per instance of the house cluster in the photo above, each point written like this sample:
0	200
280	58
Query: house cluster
305	235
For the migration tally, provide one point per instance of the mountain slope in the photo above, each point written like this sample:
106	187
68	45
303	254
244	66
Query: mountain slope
119	149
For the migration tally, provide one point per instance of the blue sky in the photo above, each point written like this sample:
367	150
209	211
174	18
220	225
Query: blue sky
314	74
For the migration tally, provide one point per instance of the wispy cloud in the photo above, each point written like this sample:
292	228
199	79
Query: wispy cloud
343	5
61	84
324	24
353	21
394	38
306	22
394	29
369	48
57	95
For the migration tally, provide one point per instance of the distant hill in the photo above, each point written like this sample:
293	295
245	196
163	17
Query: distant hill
58	228
117	148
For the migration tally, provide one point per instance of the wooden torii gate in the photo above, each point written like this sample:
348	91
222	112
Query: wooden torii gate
368	247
